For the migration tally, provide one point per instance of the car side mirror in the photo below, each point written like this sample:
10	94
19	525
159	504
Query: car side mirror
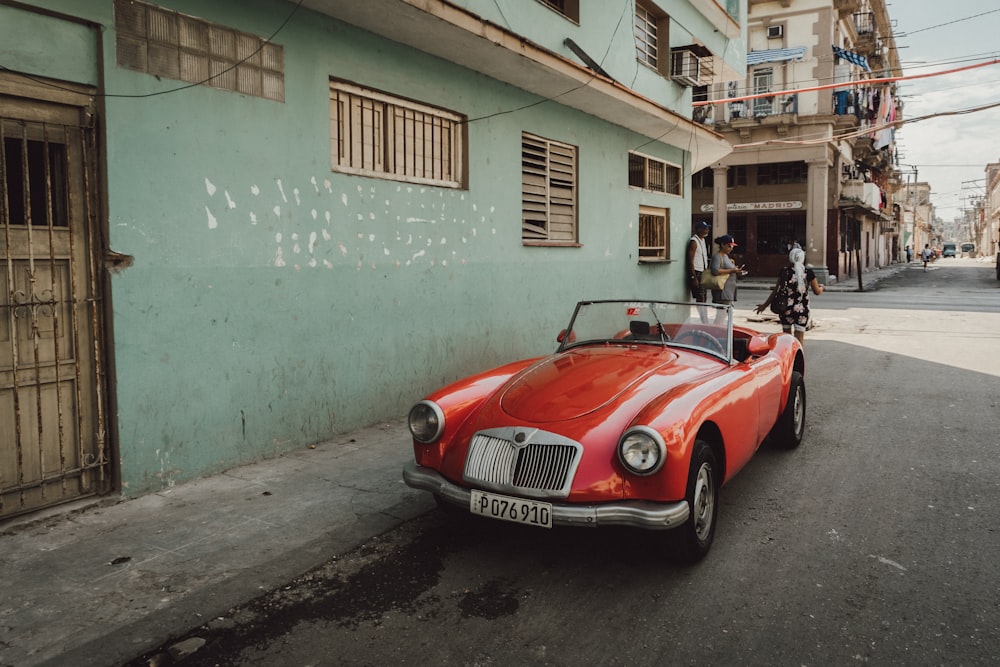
758	345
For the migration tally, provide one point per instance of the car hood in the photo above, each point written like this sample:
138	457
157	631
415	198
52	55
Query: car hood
581	381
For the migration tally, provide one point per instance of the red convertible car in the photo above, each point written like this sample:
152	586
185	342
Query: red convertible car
643	412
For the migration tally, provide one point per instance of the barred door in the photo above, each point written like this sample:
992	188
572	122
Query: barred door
53	446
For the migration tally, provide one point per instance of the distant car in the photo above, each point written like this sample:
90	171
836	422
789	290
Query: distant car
969	249
948	250
638	418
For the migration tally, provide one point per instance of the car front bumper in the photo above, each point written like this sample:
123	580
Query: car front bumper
634	513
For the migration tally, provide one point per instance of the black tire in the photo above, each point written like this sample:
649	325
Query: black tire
791	426
690	542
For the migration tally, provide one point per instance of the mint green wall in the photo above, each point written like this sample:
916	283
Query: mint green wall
274	303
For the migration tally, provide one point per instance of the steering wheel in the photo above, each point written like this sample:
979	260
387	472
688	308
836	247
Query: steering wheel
700	338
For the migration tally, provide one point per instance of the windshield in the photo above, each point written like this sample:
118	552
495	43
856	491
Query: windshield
704	327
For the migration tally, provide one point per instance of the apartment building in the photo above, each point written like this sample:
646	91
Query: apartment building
814	159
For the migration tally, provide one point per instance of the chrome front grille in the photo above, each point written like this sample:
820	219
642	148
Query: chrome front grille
524	461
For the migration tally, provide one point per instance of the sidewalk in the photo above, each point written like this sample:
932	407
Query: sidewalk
870	278
103	582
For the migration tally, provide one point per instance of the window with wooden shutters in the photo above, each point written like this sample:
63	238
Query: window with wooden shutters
374	134
654	234
655	175
548	191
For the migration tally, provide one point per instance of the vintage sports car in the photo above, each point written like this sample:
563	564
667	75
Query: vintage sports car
643	412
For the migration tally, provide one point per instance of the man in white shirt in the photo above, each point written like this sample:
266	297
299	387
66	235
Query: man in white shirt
697	261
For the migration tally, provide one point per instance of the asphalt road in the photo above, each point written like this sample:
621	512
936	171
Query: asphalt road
874	543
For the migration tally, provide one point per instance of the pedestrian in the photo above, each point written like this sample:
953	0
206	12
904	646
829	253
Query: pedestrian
909	254
697	262
926	254
791	292
723	265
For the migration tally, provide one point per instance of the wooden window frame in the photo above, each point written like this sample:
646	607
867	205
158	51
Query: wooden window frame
383	136
549	185
568	8
654	175
654	234
651	29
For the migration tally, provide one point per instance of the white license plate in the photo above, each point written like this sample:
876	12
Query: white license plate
530	512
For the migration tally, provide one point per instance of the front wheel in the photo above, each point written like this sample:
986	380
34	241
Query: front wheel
791	425
691	541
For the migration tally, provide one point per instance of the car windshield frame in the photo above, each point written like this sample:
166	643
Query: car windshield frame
668	324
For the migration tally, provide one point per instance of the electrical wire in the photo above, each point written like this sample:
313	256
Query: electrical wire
178	88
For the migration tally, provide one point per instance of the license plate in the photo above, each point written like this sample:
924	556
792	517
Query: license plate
530	512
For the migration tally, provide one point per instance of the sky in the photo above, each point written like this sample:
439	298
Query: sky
949	152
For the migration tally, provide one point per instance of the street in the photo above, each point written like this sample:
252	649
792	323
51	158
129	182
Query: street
873	543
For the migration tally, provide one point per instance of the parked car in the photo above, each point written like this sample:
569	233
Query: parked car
948	250
969	249
643	412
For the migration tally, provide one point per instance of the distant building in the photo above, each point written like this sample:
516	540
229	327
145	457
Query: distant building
812	164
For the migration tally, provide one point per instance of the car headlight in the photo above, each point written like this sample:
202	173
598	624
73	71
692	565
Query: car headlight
426	421
642	450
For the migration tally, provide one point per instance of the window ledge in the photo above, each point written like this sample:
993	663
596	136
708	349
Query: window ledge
552	244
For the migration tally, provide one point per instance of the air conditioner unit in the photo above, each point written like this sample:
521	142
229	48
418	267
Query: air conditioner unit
685	67
775	31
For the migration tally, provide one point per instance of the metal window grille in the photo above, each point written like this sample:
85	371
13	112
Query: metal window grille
654	238
377	135
652	174
645	36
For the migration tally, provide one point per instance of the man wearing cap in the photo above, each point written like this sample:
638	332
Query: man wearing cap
697	261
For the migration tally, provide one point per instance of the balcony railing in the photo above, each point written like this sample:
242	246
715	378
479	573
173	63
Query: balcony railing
762	107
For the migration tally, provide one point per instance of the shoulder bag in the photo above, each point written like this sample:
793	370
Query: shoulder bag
710	281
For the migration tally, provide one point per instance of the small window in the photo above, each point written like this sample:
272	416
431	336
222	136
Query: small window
654	234
654	175
568	8
736	177
33	180
651	27
548	191
782	173
374	134
165	43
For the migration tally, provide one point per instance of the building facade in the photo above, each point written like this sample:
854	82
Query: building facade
237	228
814	159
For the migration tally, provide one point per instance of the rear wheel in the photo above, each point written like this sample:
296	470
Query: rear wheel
791	426
691	541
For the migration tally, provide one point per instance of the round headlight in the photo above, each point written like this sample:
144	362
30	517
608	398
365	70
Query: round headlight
426	421
642	450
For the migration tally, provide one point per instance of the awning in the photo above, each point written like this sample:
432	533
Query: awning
775	55
852	57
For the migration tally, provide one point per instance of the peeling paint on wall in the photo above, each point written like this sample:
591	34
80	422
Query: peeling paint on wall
338	232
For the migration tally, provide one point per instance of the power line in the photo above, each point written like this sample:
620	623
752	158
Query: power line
941	25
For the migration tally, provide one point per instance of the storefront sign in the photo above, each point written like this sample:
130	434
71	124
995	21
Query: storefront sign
756	206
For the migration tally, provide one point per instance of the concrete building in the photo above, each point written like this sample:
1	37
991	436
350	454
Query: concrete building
235	228
814	159
918	216
989	241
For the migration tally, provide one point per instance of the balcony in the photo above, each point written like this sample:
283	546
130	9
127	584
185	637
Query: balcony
860	193
845	7
762	107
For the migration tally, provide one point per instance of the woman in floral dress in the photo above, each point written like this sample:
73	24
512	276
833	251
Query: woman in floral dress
791	292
